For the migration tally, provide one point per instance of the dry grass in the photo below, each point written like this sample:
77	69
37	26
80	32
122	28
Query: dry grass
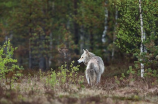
33	90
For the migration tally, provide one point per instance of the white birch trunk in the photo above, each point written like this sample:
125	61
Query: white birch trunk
106	25
142	38
114	37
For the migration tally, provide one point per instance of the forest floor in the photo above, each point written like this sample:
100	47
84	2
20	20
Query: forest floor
31	89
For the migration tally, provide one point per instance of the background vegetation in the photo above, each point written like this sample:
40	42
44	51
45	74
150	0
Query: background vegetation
50	35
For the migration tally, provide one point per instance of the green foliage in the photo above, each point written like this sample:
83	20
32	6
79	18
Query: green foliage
151	73
73	72
148	58
9	67
128	37
122	76
117	80
128	33
90	14
7	63
64	76
53	78
65	38
90	18
130	71
70	75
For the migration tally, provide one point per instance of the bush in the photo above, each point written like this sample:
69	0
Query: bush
65	76
9	68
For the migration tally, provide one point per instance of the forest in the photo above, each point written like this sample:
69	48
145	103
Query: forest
41	41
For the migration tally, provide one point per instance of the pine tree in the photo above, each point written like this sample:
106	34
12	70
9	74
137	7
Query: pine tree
29	19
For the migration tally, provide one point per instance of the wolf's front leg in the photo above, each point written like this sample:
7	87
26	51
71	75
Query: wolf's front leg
87	77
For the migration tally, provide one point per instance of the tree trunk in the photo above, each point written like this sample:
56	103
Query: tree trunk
106	25
51	46
76	37
30	57
30	34
91	40
42	63
82	33
114	34
142	38
81	39
42	59
104	36
30	52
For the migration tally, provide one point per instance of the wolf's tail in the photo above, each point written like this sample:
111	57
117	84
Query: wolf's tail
101	65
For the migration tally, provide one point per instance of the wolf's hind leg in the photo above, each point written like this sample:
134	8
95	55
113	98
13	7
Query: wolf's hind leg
98	77
87	76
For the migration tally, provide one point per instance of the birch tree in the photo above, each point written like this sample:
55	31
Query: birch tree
114	34
136	32
142	38
106	24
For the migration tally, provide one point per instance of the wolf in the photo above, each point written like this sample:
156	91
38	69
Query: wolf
95	66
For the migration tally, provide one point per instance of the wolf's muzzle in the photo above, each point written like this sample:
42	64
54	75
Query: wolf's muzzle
78	61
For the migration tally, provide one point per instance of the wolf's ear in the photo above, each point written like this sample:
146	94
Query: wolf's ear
87	51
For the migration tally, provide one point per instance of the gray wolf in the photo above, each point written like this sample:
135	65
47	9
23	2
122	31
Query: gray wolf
95	66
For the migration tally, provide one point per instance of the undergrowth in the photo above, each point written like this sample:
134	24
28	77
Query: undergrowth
64	85
64	77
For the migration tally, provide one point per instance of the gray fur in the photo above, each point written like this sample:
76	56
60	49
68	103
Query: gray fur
95	66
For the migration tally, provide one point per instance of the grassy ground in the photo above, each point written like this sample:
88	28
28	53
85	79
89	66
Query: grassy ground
34	89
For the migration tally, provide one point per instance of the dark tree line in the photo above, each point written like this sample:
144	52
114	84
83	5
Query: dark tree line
40	28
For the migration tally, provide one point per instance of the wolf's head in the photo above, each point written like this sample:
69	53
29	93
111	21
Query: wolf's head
85	56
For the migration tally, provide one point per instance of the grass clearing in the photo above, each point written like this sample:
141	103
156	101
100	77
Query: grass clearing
35	88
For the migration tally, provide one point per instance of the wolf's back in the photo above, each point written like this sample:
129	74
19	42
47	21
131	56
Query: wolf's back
97	64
